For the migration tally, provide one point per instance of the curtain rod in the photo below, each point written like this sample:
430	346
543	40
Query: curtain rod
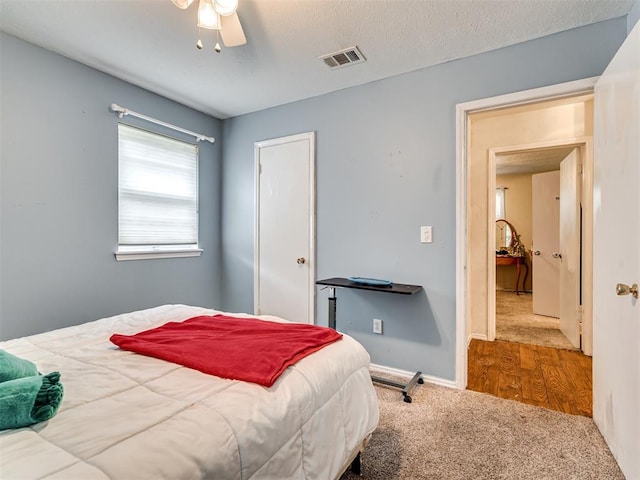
125	111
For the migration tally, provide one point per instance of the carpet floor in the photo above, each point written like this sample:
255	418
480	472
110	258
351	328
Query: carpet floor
461	435
516	322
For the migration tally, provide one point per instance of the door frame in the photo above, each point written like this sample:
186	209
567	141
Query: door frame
585	147
462	173
311	261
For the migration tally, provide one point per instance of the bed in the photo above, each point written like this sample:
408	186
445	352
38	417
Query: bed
126	415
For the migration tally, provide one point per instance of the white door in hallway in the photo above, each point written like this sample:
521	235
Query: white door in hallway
616	319
545	268
284	273
569	258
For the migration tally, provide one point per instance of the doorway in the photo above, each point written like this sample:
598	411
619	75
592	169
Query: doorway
542	194
284	264
530	192
474	299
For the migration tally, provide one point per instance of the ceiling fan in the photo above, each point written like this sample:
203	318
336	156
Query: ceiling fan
219	15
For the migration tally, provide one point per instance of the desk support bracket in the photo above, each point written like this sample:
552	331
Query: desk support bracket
332	307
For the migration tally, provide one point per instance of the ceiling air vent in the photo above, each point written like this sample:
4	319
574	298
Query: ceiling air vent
348	56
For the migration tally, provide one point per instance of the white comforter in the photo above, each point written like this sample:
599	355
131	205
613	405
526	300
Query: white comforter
127	416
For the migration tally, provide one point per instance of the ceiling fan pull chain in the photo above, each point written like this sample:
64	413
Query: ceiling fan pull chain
199	42
217	48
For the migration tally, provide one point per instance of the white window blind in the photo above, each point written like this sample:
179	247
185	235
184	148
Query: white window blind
158	192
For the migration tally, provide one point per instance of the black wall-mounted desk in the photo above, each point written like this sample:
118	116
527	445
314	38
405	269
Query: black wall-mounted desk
397	288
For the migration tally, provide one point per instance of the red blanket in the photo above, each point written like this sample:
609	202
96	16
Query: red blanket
246	349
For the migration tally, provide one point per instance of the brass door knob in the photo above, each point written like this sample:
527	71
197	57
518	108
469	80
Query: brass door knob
301	260
622	289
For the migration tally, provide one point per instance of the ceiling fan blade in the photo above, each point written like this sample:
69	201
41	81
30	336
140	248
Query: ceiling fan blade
182	3
231	31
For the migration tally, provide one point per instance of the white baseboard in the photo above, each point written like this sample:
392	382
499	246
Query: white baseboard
477	336
409	375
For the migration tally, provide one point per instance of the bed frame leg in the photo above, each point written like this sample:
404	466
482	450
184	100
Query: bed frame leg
355	465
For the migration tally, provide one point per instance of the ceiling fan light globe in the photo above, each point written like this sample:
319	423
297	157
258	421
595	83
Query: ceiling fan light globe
226	7
183	4
207	16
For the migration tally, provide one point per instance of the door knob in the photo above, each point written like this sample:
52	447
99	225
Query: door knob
301	260
556	255
537	252
622	289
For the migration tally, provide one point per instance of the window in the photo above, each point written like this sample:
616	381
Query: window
500	207
157	196
503	235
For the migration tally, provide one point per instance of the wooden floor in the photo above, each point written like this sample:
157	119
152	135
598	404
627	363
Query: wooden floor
542	376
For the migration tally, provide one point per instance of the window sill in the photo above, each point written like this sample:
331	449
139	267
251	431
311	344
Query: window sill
155	254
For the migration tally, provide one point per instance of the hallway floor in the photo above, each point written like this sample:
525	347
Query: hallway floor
543	376
516	322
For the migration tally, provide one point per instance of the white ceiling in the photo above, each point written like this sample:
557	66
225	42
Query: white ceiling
151	43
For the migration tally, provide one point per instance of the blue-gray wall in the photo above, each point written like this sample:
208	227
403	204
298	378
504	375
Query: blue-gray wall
386	165
59	198
633	16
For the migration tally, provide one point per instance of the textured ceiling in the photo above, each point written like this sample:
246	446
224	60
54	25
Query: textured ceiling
536	161
151	43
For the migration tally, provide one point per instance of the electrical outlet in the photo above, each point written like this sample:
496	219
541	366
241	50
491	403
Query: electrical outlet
425	234
377	326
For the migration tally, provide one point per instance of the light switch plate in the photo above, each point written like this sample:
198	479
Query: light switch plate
425	234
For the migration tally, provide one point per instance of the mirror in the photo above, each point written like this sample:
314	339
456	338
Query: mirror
507	239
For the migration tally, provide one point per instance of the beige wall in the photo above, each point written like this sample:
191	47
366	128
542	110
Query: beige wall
518	208
509	127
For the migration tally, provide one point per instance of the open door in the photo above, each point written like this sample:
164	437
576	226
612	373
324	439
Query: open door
616	319
569	255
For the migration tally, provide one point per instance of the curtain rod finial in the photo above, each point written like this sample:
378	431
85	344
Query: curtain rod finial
119	110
